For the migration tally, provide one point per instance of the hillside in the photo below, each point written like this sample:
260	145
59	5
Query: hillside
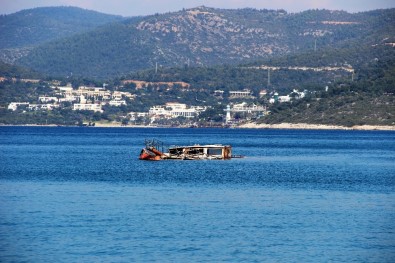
205	36
332	97
346	109
311	70
12	71
21	31
368	100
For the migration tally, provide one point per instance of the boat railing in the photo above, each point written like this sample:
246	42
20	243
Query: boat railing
157	144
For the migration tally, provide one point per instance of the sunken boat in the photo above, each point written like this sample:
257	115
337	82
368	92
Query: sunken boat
154	151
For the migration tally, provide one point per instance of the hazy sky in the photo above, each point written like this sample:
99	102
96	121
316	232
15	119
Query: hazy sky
147	7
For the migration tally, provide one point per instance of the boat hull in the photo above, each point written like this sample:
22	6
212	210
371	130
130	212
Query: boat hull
150	155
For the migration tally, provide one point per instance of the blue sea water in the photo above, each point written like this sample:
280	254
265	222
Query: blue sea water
82	195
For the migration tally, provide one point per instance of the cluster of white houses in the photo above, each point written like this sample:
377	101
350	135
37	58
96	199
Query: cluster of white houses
294	94
47	106
83	98
173	110
94	98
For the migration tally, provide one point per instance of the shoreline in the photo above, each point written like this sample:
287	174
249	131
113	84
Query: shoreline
306	126
279	126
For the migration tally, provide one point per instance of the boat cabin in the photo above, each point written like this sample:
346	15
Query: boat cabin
194	152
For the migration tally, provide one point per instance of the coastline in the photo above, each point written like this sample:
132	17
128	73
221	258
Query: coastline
306	126
279	126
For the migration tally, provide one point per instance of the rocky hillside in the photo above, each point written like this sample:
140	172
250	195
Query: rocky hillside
207	36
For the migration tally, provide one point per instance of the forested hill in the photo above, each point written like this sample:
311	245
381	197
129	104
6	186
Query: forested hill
206	36
29	28
12	71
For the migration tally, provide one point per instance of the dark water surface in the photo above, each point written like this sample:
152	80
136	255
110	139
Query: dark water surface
82	195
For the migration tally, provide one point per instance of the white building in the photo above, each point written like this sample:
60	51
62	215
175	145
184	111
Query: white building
244	107
68	98
240	107
300	94
45	99
129	95
176	106
174	110
90	107
14	105
134	115
240	93
91	88
65	89
199	108
286	98
117	103
43	106
93	92
159	110
187	113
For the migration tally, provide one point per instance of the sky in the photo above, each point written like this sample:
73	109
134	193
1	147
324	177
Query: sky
149	7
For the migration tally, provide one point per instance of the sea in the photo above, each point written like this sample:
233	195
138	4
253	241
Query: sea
80	194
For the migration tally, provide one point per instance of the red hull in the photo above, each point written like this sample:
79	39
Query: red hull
145	156
150	155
